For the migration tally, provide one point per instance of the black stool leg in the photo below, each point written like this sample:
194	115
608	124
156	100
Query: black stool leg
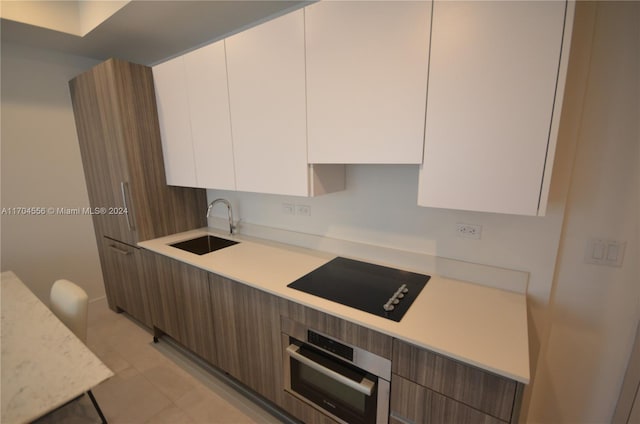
95	404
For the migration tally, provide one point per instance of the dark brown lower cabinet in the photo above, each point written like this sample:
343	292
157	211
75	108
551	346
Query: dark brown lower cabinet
430	388
239	329
180	303
411	402
247	327
125	280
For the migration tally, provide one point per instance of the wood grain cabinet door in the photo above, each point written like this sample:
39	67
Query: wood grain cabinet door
125	279
247	328
180	303
98	123
487	392
411	402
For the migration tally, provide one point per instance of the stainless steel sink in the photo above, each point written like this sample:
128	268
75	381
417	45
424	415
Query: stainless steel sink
204	244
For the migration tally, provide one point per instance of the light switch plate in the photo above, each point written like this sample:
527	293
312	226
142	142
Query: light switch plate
601	251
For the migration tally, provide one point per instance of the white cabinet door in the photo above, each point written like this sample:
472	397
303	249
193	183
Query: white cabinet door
193	107
175	126
206	76
367	80
493	77
267	97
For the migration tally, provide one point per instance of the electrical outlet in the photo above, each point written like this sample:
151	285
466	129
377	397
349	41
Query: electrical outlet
303	210
471	231
288	209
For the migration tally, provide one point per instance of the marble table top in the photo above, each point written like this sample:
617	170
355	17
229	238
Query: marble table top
44	365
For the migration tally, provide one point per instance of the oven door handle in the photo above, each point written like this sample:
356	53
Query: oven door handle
365	386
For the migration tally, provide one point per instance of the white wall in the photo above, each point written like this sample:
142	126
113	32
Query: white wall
595	309
41	167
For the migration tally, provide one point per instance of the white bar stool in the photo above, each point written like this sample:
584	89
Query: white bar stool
70	303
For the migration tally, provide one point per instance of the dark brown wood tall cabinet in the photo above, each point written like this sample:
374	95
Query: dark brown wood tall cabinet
117	123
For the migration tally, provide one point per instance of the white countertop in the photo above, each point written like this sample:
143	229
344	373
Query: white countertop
478	325
44	365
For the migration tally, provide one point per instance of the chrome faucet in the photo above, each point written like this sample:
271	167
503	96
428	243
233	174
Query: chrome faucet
226	202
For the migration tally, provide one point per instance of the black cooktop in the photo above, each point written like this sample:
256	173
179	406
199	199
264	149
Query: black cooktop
379	290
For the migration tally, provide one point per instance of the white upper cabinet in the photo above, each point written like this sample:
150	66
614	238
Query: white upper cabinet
496	82
266	90
193	106
367	65
267	96
206	71
175	128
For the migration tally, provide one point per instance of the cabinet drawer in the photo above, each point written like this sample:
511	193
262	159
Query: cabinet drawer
413	403
350	333
479	389
125	281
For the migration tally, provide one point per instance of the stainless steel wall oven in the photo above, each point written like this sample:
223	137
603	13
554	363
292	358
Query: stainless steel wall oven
345	382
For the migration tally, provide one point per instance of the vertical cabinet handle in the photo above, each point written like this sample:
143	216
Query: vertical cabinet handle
124	189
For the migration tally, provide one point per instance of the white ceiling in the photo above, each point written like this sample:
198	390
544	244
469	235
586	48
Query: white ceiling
149	32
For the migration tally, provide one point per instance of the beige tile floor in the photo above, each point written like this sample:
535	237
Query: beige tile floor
153	383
